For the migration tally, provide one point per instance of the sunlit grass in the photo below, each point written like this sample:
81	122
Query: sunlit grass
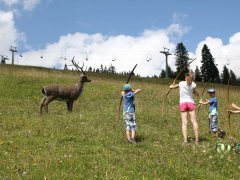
89	143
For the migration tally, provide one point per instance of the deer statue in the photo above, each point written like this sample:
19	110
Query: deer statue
64	92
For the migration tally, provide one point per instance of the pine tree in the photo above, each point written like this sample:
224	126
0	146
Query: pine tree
163	74
233	78
65	67
105	69
182	58
90	69
225	75
101	69
171	73
197	74
238	81
208	69
111	69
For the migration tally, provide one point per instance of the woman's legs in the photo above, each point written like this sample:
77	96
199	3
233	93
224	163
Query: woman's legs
195	124
184	125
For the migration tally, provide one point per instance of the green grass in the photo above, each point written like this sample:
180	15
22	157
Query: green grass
89	143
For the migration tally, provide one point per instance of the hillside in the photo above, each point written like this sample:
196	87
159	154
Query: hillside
89	143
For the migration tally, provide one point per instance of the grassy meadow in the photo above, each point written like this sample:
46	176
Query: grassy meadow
89	143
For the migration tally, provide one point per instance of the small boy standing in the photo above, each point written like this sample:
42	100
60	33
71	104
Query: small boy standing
129	111
213	113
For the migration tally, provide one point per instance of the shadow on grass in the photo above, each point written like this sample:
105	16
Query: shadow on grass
139	138
201	139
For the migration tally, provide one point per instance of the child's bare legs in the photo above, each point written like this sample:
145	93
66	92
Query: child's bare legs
133	135
128	134
195	124
184	125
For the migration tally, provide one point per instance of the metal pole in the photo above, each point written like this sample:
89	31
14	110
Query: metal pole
167	53
13	50
167	73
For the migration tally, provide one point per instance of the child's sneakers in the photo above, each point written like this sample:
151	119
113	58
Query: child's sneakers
131	141
221	133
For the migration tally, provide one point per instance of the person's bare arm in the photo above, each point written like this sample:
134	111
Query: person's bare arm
206	102
195	91
235	106
173	86
137	91
234	112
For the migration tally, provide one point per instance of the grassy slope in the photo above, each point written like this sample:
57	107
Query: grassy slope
90	142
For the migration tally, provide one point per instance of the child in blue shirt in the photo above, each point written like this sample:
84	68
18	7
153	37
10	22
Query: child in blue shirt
129	111
213	113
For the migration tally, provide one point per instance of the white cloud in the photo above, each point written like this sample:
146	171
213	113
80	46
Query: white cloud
179	17
10	2
9	34
176	31
235	39
30	4
27	5
128	50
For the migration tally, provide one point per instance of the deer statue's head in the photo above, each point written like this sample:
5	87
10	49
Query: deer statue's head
83	76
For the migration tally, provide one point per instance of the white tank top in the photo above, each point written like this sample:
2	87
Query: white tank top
186	91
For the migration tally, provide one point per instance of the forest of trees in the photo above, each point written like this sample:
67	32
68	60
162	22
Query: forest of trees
104	69
208	70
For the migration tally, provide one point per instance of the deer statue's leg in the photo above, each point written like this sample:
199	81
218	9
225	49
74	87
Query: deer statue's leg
47	101
41	104
69	105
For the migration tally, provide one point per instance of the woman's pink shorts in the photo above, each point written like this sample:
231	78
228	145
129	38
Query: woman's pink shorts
187	106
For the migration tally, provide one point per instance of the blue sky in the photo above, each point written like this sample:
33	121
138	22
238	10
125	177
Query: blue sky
42	24
217	18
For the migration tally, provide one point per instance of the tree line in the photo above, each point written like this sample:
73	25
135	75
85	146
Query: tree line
208	70
104	69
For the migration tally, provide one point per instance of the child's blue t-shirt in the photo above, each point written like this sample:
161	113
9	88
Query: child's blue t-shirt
128	99
213	104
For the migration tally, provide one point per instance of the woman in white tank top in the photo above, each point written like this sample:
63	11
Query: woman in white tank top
187	106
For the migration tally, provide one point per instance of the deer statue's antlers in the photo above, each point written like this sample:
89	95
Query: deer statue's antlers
80	69
120	103
165	99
